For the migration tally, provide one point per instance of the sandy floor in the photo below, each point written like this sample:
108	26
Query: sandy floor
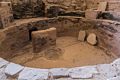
68	53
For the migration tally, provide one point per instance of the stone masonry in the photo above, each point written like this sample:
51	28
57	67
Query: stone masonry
77	4
43	39
6	16
83	4
91	14
17	36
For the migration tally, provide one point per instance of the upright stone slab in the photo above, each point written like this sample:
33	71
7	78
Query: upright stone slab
102	6
43	38
91	14
81	36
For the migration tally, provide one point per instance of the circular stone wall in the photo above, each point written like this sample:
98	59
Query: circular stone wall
16	39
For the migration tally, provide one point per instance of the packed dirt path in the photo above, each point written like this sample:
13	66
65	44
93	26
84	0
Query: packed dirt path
69	52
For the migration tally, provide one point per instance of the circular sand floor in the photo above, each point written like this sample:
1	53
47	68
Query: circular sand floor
69	52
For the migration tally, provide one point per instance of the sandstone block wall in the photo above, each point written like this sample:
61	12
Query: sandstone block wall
83	4
108	35
43	39
6	16
28	8
68	5
17	36
91	14
77	4
114	6
13	39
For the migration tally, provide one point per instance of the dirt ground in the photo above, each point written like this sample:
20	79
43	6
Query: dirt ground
69	52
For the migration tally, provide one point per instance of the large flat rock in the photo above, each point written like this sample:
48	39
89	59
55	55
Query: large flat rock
2	74
13	69
107	70
82	72
3	62
116	63
33	74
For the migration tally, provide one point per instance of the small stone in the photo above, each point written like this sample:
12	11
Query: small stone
13	69
92	39
3	62
81	36
33	74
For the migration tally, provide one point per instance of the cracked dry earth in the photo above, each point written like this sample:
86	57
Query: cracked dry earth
70	53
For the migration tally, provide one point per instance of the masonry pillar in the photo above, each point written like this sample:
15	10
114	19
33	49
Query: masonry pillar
43	39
